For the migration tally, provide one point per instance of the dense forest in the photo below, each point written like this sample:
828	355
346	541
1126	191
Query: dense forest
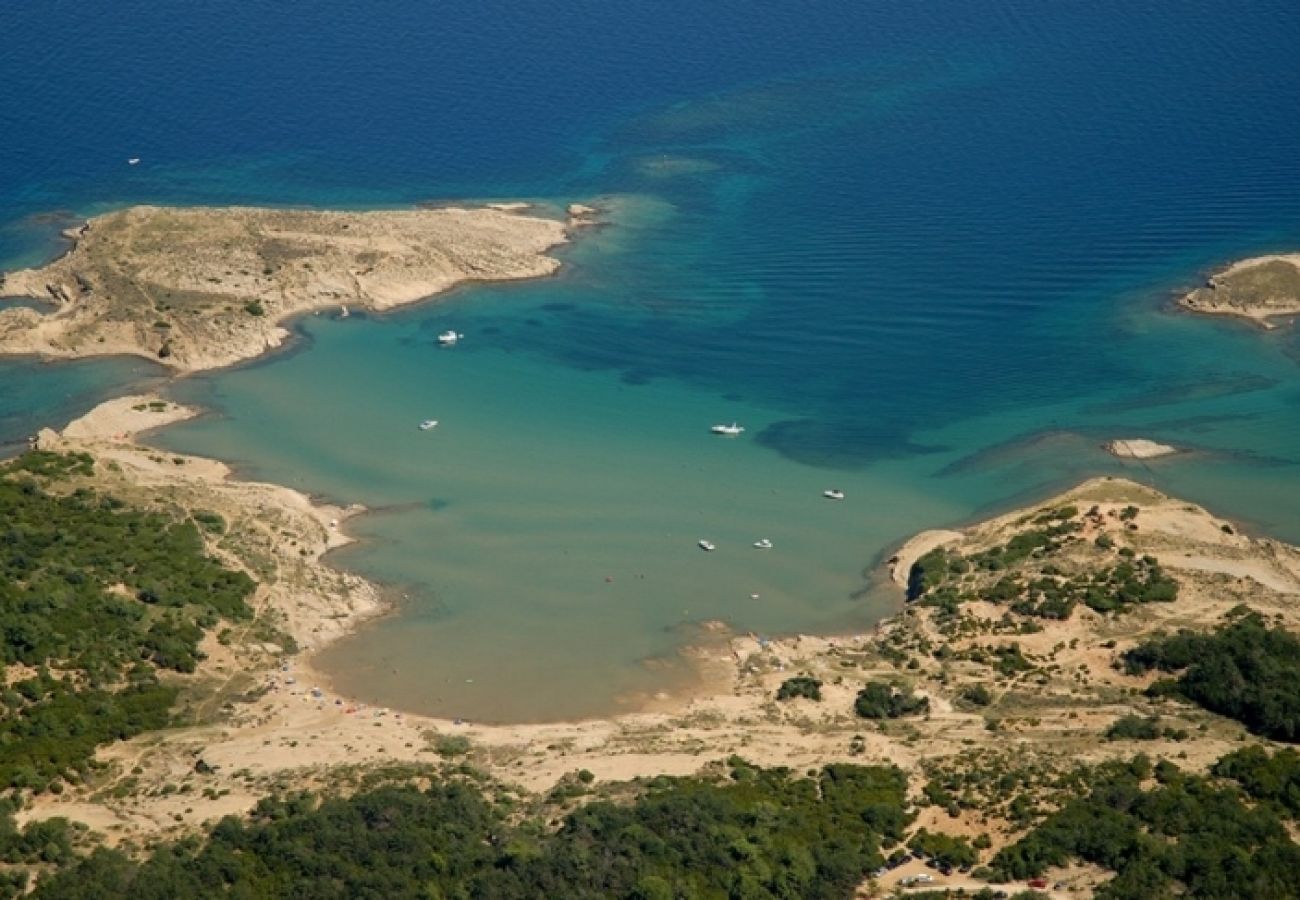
748	833
95	599
1246	671
738	832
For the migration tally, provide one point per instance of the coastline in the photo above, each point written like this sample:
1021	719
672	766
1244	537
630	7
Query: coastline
265	717
271	718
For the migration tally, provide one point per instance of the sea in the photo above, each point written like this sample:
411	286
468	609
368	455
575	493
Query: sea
924	252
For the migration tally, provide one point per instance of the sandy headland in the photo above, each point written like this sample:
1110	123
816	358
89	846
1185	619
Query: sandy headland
200	288
263	718
1261	288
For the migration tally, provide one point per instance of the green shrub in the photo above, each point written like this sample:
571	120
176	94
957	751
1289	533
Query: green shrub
1134	728
878	700
800	686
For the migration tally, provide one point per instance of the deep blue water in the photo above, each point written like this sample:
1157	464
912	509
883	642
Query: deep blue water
896	183
933	242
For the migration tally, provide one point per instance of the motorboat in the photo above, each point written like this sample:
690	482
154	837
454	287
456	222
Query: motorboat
133	161
763	544
833	494
428	424
730	430
447	338
707	545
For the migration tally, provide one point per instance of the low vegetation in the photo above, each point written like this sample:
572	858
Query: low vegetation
1028	575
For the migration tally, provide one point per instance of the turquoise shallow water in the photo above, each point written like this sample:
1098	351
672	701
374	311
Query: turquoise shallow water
924	252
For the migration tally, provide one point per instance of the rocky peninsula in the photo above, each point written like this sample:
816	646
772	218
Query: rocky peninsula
199	288
1260	289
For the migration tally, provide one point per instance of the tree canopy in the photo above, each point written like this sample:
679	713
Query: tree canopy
1246	671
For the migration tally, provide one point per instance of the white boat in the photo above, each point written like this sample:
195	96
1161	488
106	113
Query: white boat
731	430
833	494
447	338
133	161
707	545
343	311
428	424
763	544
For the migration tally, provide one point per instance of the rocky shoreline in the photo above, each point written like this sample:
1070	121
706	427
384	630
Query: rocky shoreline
201	288
1260	289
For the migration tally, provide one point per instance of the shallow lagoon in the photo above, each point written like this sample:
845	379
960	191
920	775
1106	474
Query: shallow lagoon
923	252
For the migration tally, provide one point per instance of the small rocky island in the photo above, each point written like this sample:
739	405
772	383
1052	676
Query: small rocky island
1138	448
198	288
1259	288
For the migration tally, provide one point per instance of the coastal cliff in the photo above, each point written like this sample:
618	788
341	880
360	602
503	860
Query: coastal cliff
199	288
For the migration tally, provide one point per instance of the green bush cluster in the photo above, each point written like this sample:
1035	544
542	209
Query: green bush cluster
938	578
758	833
998	784
1274	779
1187	835
933	570
945	851
1007	659
878	700
800	686
48	464
1246	671
1142	728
